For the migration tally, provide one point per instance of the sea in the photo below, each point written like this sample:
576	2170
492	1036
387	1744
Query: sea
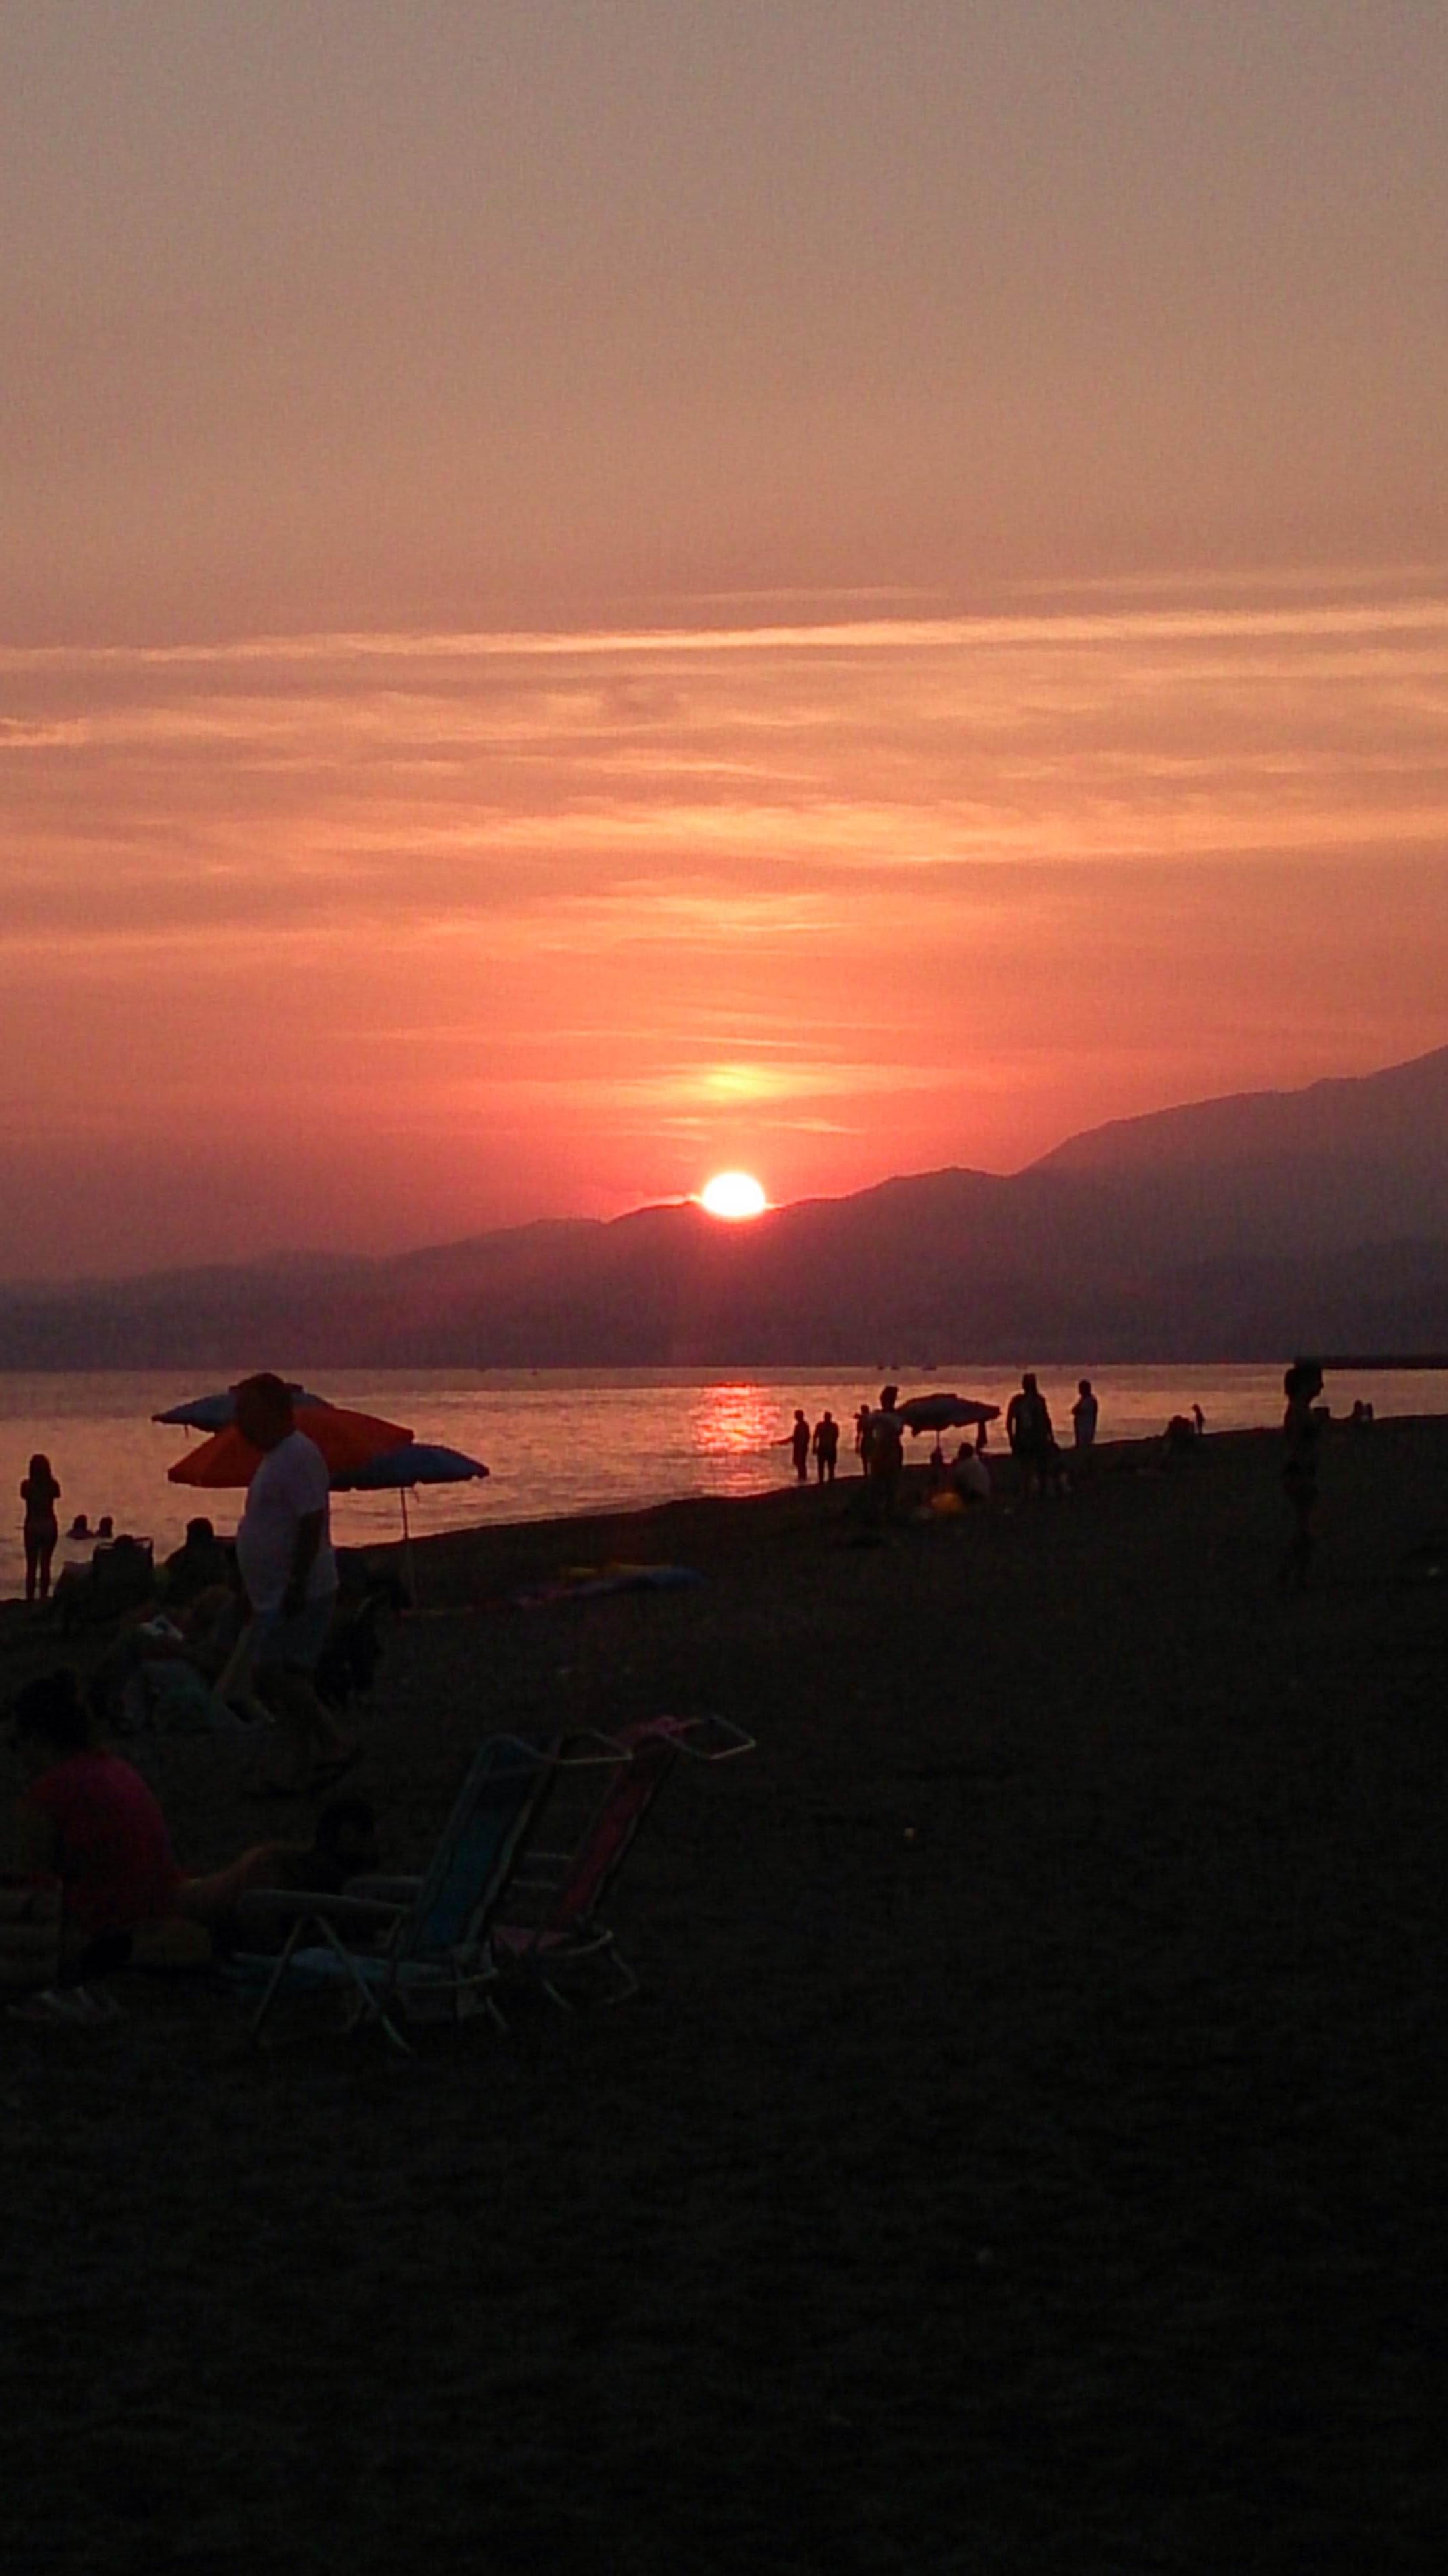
557	1441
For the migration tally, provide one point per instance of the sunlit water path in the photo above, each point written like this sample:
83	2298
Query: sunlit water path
562	1440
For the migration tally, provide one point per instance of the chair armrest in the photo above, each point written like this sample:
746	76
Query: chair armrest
291	1905
721	1739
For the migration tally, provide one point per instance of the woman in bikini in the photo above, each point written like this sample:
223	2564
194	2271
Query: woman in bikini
40	1493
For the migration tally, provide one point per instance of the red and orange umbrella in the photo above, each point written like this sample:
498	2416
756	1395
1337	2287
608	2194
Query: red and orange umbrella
348	1441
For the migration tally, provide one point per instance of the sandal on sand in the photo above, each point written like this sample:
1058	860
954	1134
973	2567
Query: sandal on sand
74	2006
326	1772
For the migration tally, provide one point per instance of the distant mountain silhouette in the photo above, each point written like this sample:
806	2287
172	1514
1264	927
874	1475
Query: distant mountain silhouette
1279	1173
1239	1228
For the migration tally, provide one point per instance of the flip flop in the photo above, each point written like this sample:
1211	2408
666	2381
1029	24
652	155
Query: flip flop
326	1772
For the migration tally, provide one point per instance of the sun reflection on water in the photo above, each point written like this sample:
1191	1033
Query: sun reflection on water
732	1425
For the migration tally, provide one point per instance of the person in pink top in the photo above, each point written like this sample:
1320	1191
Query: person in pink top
88	1818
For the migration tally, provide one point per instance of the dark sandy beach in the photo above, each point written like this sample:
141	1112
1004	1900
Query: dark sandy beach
1024	2153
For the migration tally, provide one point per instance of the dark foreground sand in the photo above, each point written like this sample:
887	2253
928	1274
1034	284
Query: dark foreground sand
1025	2153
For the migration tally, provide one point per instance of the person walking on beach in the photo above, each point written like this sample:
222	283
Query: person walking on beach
799	1446
1085	1413
1301	1432
289	1573
826	1445
40	1493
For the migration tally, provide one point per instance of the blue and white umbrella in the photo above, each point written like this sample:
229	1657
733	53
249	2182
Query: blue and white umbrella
415	1462
215	1412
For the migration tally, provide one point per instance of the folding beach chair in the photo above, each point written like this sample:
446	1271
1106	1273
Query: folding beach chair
568	1889
418	1948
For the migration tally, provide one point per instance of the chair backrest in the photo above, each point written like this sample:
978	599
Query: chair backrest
479	1846
654	1747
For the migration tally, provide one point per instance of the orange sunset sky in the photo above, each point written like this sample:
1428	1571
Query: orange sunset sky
596	589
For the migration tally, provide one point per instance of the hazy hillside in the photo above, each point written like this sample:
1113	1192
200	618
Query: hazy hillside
1278	1173
1235	1228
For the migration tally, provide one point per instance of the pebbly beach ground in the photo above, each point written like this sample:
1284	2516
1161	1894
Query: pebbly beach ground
1024	2152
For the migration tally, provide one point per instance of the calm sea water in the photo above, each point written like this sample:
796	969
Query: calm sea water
561	1440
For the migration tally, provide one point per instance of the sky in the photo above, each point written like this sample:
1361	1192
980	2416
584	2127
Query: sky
599	589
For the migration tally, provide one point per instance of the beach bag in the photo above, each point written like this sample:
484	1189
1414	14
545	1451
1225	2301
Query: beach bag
29	1935
182	1702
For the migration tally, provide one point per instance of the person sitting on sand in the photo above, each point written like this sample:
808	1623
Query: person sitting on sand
198	1566
969	1475
284	1554
40	1493
88	1818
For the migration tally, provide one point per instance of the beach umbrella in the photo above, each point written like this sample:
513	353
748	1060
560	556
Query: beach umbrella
412	1462
214	1412
945	1412
347	1440
415	1462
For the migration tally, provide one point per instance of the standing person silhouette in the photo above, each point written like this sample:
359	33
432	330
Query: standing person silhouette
799	1445
1032	1439
885	1454
40	1493
1301	1433
285	1560
826	1445
1085	1413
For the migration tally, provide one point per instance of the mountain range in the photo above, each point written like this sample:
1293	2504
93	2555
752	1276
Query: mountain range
1243	1228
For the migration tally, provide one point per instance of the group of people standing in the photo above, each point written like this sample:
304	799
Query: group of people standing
1032	1436
880	1429
822	1444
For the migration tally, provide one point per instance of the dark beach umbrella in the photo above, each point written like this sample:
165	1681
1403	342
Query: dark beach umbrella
945	1412
215	1412
414	1462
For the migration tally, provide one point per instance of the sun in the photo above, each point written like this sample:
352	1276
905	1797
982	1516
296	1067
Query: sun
733	1195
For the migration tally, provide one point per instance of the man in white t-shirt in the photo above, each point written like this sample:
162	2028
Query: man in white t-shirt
284	1556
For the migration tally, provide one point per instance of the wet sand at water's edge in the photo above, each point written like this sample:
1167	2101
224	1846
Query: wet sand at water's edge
1024	2152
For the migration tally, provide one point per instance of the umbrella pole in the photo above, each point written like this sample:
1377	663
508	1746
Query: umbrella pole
407	1547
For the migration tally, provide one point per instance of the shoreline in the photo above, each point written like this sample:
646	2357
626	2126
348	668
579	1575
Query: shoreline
527	1549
